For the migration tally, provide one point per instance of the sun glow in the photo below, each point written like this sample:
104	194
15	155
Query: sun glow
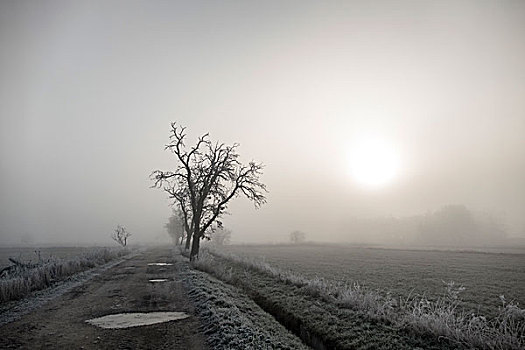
374	163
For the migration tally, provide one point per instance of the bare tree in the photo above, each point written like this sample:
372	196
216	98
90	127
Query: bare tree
180	194
120	235
208	175
297	237
176	227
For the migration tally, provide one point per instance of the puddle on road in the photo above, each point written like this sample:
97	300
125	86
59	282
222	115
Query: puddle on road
160	264
157	280
127	320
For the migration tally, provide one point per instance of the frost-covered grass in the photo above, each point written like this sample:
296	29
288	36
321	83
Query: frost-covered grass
405	272
231	319
38	254
442	317
26	280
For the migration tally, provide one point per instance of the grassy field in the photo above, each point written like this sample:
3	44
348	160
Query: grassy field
400	302
314	317
31	254
485	276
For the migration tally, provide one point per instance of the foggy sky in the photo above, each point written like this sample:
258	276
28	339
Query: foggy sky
88	89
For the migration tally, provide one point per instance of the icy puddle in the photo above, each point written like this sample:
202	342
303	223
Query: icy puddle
127	320
157	280
159	264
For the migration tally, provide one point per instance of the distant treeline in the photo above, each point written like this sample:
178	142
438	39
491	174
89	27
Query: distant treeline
452	225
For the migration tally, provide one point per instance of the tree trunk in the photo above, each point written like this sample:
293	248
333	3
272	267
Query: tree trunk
188	240
194	254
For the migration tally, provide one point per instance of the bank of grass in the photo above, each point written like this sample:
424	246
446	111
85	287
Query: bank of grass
231	320
438	323
22	281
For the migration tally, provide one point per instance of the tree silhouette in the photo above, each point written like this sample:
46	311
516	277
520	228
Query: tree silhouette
176	227
297	237
208	175
120	235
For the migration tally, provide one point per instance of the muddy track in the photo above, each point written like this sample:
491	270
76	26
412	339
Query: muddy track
60	324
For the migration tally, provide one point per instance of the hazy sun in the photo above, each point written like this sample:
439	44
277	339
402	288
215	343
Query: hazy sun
373	163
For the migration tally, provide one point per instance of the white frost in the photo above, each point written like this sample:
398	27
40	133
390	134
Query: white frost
159	264
126	320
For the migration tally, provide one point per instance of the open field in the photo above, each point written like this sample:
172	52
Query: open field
30	254
485	276
329	313
320	323
256	305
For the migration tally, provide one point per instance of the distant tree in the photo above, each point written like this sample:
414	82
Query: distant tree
450	225
180	193
221	236
120	235
491	229
297	237
456	225
207	177
176	227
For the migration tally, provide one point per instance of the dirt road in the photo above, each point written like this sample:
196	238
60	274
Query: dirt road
60	324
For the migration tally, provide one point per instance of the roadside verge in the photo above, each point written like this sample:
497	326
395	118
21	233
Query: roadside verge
231	319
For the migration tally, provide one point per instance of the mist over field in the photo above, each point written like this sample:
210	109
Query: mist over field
388	123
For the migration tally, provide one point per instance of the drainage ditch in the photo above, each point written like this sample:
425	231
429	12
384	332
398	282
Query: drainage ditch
289	321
